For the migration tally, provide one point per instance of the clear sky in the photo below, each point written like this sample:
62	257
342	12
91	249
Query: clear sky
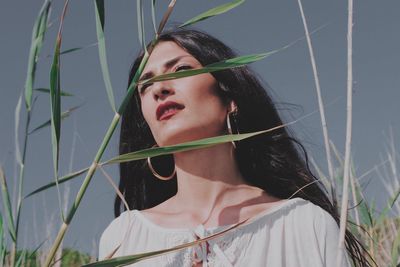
254	27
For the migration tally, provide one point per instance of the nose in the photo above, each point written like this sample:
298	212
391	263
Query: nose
161	90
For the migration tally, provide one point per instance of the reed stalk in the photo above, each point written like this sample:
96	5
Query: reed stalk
345	193
319	95
14	247
106	140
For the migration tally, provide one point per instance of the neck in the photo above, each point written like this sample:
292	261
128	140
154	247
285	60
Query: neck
204	176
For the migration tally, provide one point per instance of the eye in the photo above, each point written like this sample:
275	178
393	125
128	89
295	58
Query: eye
143	87
183	67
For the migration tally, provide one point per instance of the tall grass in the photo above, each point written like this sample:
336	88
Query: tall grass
349	128
378	230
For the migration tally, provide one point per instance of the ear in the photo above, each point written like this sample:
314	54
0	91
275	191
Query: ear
232	107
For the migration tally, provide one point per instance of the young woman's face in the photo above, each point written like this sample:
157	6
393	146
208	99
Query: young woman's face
183	109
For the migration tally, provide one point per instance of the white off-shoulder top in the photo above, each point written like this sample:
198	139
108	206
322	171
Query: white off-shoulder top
294	233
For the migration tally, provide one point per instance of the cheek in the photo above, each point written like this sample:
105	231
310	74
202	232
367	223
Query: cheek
146	111
209	111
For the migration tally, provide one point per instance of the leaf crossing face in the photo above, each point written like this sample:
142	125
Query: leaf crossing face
218	66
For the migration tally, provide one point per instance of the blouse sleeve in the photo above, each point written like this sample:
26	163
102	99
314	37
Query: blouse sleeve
108	240
311	237
327	237
114	234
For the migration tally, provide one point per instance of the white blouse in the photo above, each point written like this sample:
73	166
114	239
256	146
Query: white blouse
295	233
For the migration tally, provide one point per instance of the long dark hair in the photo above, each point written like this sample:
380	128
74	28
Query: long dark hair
275	162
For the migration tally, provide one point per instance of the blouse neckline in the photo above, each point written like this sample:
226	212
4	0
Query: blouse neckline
143	219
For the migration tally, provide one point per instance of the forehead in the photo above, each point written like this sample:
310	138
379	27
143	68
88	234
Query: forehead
164	52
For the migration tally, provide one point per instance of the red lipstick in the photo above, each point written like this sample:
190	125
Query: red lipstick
167	110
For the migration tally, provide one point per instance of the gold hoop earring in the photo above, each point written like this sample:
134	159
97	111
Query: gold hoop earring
153	171
229	126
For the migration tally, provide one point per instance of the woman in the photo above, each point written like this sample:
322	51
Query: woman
190	195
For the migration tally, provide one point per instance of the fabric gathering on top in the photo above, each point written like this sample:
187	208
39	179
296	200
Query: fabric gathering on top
295	233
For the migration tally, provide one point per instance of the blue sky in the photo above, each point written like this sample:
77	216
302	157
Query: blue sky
254	27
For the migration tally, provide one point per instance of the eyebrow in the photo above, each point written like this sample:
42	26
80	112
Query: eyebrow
167	65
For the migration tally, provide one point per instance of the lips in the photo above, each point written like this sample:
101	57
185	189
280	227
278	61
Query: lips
167	110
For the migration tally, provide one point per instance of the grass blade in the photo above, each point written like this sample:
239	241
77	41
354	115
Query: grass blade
153	15
320	100
345	194
3	248
64	115
213	12
125	260
55	95
140	22
221	65
38	33
61	180
7	204
21	259
384	214
47	90
165	18
67	51
202	143
16	131
55	102
365	212
99	7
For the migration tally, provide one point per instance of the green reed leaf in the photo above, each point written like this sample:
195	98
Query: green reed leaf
202	143
38	33
55	102
213	12
140	23
158	151
125	260
365	213
16	130
153	15
221	65
21	258
99	9
3	248
7	205
394	198
363	208
64	115
67	51
61	180
47	90
33	253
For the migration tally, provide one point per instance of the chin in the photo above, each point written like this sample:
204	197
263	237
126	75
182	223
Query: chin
179	135
175	138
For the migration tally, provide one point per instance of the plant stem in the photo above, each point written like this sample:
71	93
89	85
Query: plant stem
355	200
345	194
82	190
20	188
106	139
320	101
